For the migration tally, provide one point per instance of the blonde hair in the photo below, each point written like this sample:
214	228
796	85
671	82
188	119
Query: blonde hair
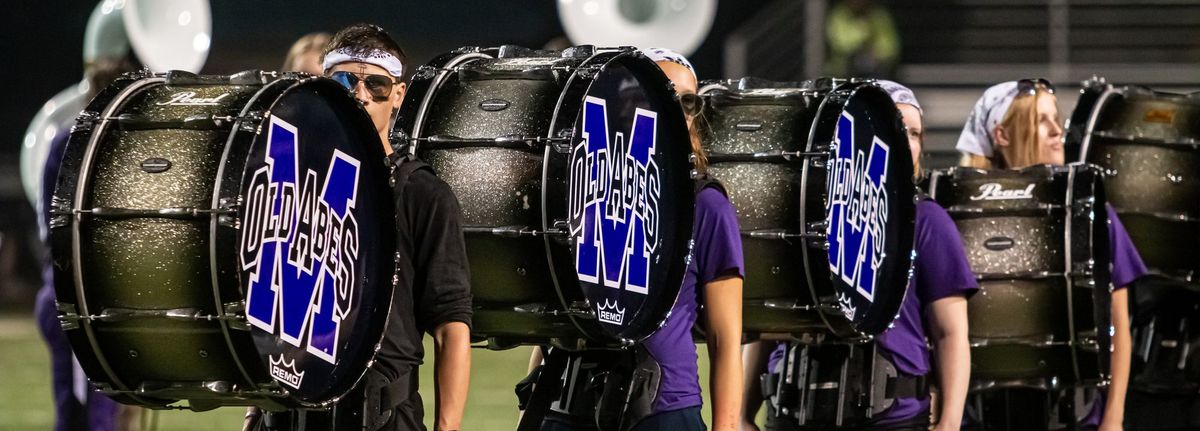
701	160
312	42
1020	125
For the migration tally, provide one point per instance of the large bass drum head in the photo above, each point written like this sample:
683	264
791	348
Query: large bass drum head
870	205
630	197
317	241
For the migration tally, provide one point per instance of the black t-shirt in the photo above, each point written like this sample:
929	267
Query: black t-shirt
433	280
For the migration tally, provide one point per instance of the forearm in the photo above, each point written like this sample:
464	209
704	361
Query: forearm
1122	340
948	330
754	362
725	377
954	376
724	311
452	370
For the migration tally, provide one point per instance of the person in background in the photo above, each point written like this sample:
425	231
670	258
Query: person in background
1014	125
934	309
305	54
713	278
76	405
862	40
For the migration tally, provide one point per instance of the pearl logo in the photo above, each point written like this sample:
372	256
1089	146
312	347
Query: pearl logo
997	192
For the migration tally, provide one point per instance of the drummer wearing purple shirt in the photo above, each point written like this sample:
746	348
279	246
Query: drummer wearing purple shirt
1015	124
714	278
935	307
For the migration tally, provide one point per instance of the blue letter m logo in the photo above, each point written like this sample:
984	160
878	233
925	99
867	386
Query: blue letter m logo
614	193
299	247
858	208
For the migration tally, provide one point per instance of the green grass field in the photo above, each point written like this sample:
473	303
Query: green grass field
25	400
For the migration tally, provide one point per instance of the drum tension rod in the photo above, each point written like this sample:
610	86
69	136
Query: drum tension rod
528	143
171	213
68	318
514	231
541	309
766	156
791	305
195	122
782	234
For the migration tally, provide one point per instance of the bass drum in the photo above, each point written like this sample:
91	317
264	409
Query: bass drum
573	173
822	180
1037	240
1148	144
206	240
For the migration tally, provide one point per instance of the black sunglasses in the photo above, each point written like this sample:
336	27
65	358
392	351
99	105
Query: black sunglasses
691	103
379	86
1029	86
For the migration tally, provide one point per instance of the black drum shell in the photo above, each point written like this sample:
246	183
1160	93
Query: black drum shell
748	125
161	155
1041	258
1148	144
523	283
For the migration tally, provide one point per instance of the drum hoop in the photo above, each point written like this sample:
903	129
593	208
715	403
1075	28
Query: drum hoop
435	85
292	85
602	56
838	98
1068	248
254	104
575	84
822	113
81	189
1101	103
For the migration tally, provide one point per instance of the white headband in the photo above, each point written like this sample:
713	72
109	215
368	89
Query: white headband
379	58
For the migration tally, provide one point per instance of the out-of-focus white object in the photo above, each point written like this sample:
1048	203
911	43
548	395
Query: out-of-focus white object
169	35
164	34
677	24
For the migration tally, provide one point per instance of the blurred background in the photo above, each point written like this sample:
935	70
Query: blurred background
948	51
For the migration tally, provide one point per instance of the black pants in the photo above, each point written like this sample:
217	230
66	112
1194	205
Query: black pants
775	423
347	415
687	419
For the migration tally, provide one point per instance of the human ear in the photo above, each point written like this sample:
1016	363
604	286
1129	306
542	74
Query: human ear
999	136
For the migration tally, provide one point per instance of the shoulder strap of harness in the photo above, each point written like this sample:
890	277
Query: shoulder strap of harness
706	181
403	165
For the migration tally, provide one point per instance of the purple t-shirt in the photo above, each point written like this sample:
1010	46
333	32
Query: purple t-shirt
1127	266
940	270
717	253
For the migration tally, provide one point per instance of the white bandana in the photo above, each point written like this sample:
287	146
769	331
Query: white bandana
665	54
900	94
989	111
379	58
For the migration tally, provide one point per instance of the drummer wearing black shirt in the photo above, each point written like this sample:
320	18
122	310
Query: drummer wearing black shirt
432	288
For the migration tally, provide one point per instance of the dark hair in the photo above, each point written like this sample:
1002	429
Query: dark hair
363	38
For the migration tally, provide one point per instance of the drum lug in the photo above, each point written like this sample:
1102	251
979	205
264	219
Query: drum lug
85	121
580	309
60	212
588	72
250	122
227	210
563	144
426	72
237	310
67	317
